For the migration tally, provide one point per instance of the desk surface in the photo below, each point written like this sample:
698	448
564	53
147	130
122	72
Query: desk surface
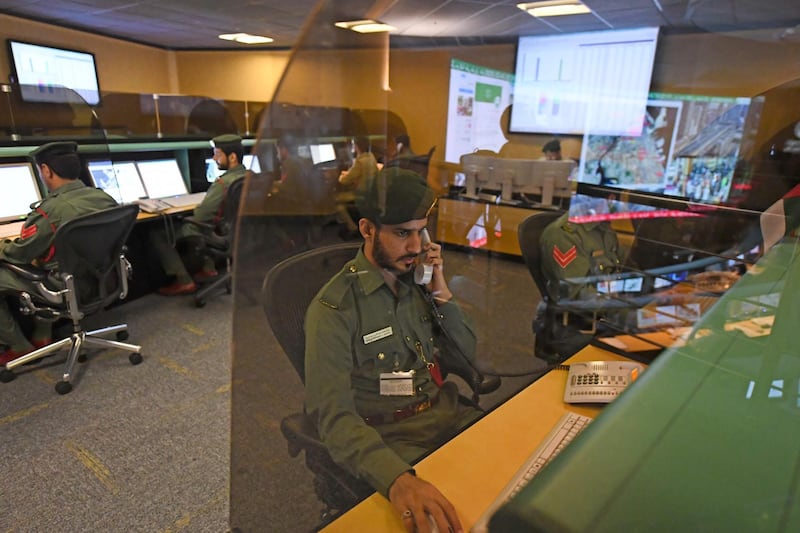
462	470
11	231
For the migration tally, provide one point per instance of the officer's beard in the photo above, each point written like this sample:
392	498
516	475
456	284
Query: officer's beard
382	259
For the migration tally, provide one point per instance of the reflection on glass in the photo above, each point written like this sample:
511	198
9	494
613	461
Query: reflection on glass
651	250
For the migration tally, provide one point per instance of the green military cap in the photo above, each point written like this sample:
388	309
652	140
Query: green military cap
61	157
396	195
228	142
55	149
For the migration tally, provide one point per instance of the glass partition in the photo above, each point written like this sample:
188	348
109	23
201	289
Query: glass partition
679	212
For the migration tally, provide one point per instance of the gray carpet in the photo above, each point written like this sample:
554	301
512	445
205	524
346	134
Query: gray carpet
153	447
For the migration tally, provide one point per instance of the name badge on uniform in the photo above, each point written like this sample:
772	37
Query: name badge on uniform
397	383
378	335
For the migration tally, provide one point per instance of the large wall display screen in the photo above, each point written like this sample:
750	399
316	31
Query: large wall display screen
688	149
593	82
49	74
478	97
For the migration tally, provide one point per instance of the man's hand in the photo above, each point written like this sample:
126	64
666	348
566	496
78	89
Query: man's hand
415	498
438	285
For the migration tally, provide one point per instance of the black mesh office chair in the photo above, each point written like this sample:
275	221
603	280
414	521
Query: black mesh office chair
92	273
217	241
288	289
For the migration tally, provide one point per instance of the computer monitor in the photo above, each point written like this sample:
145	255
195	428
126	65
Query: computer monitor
162	178
20	190
212	170
250	162
687	151
479	173
322	153
119	179
546	178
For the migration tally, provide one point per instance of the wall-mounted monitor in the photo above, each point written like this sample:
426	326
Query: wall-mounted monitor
592	82
51	74
688	149
20	190
478	98
119	179
162	178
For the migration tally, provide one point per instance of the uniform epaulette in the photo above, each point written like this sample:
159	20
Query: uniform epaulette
335	291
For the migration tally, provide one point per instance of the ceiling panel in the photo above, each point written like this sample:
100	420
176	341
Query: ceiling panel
195	24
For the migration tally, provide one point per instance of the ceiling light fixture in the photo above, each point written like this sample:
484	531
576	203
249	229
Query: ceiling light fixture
554	8
246	38
365	26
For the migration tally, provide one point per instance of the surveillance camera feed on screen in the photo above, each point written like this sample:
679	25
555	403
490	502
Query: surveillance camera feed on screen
688	149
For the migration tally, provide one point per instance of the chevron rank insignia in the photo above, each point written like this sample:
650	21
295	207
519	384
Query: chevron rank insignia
564	258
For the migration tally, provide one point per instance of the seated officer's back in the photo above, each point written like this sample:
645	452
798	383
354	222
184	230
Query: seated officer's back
576	250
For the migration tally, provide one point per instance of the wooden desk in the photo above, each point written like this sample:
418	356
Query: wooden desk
480	224
144	215
11	231
463	470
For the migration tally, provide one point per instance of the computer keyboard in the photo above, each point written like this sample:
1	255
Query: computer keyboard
566	429
185	199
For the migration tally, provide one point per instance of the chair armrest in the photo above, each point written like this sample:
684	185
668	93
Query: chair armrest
28	272
301	434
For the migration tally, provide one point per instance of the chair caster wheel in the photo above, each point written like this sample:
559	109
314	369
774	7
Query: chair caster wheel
7	376
122	335
135	358
200	303
63	387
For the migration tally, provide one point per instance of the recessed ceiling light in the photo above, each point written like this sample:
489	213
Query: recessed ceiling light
365	26
246	38
554	8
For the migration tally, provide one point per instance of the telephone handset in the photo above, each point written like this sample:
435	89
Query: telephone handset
599	381
424	272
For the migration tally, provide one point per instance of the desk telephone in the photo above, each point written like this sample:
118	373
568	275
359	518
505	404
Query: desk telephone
599	381
153	205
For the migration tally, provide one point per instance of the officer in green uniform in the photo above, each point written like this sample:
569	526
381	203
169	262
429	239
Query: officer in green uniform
371	383
68	197
575	250
228	154
571	250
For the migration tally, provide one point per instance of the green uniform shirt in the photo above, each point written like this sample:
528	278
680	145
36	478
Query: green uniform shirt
364	168
210	209
357	329
35	242
571	250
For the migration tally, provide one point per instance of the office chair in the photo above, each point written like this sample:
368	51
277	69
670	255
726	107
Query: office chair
92	273
547	344
217	241
417	163
287	291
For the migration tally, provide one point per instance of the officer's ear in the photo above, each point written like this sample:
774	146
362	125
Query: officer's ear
367	229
